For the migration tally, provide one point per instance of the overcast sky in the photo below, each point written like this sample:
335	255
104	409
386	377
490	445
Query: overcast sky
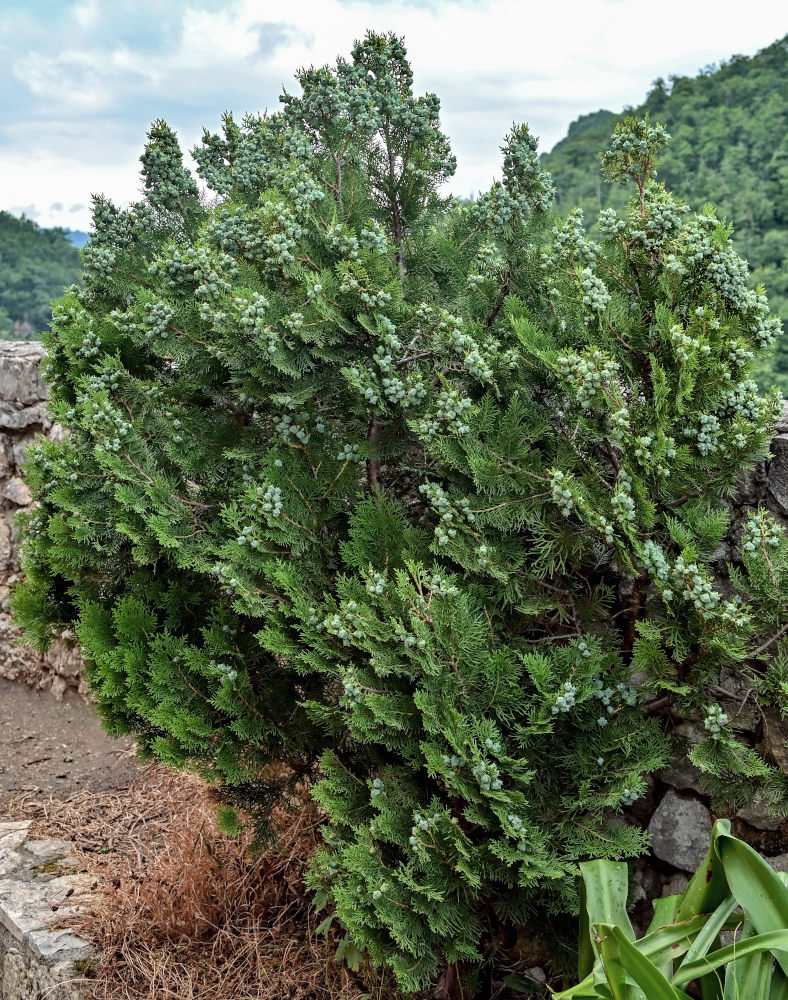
80	80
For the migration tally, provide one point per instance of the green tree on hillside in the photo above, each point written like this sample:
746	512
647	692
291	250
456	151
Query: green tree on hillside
35	266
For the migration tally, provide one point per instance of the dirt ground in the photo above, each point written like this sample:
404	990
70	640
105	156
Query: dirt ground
56	749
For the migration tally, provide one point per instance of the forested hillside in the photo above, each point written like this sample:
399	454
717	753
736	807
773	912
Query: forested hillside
35	265
729	128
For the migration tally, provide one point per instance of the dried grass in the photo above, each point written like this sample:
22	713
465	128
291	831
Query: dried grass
183	911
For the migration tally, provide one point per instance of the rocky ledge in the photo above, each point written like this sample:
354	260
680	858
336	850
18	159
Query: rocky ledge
37	886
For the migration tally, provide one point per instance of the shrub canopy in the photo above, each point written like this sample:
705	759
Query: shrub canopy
413	498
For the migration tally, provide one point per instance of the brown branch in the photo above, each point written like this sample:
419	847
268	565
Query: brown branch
499	305
373	464
413	357
633	611
777	635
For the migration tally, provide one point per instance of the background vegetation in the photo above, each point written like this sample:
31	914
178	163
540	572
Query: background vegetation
35	265
729	129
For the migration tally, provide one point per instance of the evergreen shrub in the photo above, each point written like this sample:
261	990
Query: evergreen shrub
411	500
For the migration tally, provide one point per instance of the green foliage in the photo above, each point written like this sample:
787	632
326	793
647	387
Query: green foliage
682	946
35	264
729	146
412	499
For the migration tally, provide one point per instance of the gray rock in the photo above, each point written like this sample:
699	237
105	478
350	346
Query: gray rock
740	707
675	885
9	861
13	833
775	737
12	418
36	960
752	489
683	774
17	491
779	863
777	479
648	882
48	850
20	378
680	830
758	814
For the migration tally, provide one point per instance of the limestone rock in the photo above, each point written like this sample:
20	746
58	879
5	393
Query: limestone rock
675	885
680	831
23	415
775	738
35	960
20	378
757	814
779	863
683	774
13	833
13	417
17	491
777	479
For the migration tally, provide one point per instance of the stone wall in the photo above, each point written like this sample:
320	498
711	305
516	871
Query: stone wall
23	416
37	888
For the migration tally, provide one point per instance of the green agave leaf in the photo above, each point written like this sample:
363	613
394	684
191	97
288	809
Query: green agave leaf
665	911
707	937
609	939
663	945
605	884
671	942
583	990
744	977
648	977
711	987
773	941
760	891
779	985
586	955
749	977
708	887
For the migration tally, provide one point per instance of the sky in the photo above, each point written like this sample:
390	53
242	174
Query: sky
81	80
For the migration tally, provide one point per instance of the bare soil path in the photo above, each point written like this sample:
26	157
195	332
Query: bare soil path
56	749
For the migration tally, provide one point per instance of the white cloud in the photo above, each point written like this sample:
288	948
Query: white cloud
75	79
78	113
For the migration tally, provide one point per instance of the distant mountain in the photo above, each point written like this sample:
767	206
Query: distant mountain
729	147
77	238
35	266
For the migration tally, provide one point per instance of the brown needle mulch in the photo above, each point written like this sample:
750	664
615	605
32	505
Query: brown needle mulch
184	911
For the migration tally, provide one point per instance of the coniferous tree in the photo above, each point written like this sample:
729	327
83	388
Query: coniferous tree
415	498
